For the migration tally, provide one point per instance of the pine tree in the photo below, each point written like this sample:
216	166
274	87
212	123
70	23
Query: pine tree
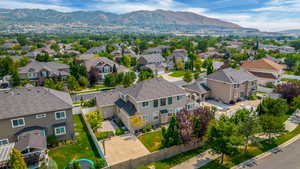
16	160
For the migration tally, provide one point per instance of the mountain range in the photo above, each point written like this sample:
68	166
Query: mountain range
151	21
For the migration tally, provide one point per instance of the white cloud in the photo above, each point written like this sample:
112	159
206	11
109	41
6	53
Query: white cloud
11	4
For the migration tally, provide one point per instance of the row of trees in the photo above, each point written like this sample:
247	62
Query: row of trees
125	79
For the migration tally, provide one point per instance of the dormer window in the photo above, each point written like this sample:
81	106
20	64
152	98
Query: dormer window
106	69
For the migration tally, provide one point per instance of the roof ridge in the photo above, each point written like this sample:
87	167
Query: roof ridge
48	90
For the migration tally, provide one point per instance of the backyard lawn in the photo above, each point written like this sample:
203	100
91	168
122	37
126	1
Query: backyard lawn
83	148
178	73
151	140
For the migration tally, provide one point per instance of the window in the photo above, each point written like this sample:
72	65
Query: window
178	110
179	97
4	141
39	116
189	107
145	104
156	117
170	100
60	131
236	85
18	122
163	102
155	103
106	69
60	115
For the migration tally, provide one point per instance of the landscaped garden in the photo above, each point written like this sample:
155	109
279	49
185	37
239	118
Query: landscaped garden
178	73
152	140
82	148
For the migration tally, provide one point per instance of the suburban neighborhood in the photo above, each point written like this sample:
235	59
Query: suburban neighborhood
122	95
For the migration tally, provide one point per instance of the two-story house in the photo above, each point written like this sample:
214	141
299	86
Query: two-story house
38	71
154	62
231	85
155	99
177	55
29	115
104	66
265	70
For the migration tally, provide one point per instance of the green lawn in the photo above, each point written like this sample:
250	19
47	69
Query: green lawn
83	148
152	140
178	73
240	157
173	161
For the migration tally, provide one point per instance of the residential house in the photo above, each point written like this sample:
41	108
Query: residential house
156	50
231	85
154	62
265	70
39	71
104	66
279	49
96	50
199	90
178	55
5	82
29	115
156	100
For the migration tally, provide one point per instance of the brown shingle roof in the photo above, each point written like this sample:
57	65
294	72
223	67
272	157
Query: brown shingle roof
264	63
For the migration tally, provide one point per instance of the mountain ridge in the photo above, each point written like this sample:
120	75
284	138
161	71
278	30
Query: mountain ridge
157	20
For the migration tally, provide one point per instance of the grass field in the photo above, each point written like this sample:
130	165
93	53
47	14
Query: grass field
83	148
151	140
178	73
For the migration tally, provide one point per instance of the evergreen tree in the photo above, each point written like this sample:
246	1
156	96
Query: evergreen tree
16	160
171	136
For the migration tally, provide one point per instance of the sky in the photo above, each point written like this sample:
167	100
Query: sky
265	15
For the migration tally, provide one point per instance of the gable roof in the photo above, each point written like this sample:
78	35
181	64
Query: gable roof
199	86
32	100
152	89
89	63
230	75
263	63
52	67
153	58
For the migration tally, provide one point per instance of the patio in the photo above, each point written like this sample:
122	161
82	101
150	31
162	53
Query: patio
123	148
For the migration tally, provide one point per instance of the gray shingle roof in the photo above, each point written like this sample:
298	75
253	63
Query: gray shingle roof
198	86
31	141
152	89
107	98
230	75
52	67
32	100
94	61
153	58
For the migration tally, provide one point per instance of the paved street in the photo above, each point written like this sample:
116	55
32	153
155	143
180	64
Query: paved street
288	158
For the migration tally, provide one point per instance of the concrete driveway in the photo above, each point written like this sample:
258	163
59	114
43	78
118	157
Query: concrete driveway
122	148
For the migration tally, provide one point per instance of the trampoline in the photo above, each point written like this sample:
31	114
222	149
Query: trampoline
84	163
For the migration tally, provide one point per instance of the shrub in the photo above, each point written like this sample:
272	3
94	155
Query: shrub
89	103
252	97
270	85
100	163
95	119
52	141
119	131
147	128
104	135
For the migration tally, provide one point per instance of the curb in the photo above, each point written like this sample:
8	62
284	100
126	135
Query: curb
255	159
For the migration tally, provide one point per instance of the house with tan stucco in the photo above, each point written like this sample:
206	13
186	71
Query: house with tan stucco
231	85
265	70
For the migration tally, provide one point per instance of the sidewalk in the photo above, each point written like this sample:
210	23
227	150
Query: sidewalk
255	160
293	121
197	161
